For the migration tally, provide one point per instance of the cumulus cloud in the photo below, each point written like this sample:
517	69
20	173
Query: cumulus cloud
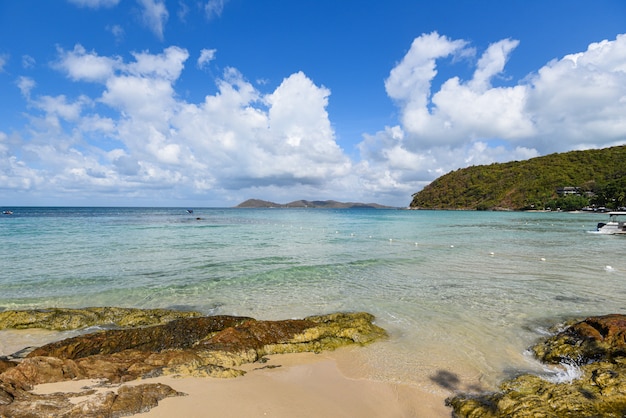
236	139
137	137
79	64
579	101
460	110
245	145
167	65
576	102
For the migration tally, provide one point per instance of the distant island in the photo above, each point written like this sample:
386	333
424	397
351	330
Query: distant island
317	204
591	179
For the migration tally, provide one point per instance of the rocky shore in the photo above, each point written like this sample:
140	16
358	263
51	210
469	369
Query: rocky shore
148	343
136	344
594	350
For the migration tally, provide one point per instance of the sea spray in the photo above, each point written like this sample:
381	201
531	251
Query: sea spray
565	372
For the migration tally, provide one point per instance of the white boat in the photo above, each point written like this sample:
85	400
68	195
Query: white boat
615	225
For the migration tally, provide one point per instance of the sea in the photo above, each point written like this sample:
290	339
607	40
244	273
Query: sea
462	294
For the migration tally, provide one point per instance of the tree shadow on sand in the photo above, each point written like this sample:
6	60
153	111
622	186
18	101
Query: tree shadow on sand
451	382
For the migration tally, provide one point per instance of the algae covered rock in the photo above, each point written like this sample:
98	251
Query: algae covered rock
116	402
179	333
593	339
595	346
312	334
212	346
63	319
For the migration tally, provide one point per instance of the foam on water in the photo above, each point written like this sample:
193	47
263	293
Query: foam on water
565	372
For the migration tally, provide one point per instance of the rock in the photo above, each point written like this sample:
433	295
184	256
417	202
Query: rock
69	319
126	401
140	398
179	333
593	339
189	346
600	392
39	370
596	345
6	365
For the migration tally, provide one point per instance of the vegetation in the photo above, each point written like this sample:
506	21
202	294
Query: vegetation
598	176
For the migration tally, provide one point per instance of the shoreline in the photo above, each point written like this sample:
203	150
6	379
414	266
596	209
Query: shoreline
286	386
331	383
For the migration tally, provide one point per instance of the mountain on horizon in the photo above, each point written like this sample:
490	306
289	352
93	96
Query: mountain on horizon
317	204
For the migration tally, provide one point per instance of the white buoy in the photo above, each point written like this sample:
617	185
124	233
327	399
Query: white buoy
609	268
452	246
492	253
542	259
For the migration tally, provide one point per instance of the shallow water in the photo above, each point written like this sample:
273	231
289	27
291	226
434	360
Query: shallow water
463	294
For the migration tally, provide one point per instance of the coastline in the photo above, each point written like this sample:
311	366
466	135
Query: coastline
331	383
287	386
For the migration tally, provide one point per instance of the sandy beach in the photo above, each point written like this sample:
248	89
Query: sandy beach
288	386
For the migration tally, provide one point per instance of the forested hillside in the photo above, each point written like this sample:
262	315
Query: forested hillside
598	176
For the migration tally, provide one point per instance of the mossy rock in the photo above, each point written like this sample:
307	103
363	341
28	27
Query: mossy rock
596	345
63	319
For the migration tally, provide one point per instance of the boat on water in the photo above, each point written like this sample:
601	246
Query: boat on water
7	212
616	224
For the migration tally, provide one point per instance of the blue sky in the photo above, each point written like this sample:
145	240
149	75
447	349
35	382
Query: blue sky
208	103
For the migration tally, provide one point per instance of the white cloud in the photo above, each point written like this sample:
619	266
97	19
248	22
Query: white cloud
95	4
86	66
206	56
237	139
492	63
26	85
410	80
117	31
459	111
15	175
59	106
139	138
243	145
577	102
214	8
154	15
167	65
28	61
3	62
183	11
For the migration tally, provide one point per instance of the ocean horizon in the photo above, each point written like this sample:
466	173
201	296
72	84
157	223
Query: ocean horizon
461	293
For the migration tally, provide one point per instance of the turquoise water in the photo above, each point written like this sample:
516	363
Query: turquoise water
461	292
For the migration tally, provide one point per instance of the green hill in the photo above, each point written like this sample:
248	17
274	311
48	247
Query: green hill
592	177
